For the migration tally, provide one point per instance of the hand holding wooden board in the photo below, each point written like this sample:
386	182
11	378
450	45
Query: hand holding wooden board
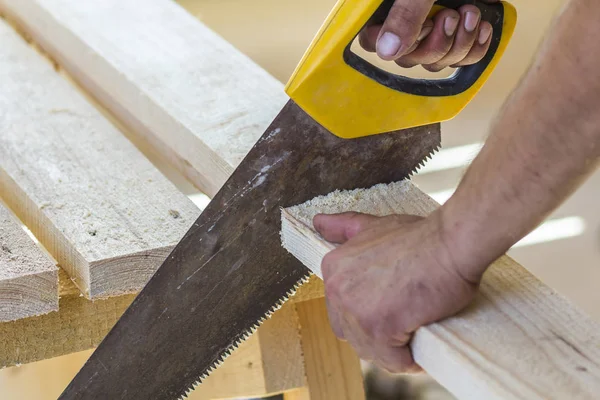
517	340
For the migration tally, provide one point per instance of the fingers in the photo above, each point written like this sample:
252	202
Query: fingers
480	47
467	41
392	358
395	359
453	38
368	37
339	228
464	37
402	27
437	44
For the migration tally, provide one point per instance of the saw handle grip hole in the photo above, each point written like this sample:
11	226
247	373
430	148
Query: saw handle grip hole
417	80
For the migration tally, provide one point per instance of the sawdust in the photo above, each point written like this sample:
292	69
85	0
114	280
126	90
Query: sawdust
370	201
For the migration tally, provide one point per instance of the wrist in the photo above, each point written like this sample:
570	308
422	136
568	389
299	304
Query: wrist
469	251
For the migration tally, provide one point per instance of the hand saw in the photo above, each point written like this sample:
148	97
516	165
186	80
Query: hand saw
348	124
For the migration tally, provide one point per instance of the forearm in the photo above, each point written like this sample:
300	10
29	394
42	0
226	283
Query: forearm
545	142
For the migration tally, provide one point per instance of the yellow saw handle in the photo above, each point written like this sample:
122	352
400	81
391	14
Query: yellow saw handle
353	98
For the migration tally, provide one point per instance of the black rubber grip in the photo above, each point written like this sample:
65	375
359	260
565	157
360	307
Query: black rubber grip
460	81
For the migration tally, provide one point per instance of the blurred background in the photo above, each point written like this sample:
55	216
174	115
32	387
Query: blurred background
564	252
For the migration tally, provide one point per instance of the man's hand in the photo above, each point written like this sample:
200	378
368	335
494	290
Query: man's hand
390	276
450	39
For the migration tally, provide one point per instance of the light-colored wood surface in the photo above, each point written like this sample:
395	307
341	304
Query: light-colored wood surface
28	277
268	362
103	211
518	340
186	91
298	394
182	90
331	365
192	109
274	34
79	324
44	380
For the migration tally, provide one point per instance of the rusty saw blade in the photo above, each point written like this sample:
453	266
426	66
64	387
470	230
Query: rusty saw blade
230	272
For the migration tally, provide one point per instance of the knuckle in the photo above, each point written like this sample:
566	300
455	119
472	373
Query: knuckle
433	67
333	289
402	12
406	64
365	43
404	18
329	263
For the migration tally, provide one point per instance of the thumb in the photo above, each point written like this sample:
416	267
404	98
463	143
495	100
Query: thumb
339	228
402	27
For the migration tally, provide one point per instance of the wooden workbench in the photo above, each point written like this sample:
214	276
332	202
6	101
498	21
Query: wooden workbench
101	88
105	214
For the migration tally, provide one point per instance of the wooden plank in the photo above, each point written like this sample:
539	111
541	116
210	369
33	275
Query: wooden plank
80	324
103	211
333	370
518	340
298	394
182	90
269	362
198	100
28	277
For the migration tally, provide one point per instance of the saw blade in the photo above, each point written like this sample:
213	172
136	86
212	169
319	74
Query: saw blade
229	272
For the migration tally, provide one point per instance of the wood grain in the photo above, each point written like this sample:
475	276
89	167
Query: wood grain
192	95
103	211
80	324
180	88
518	340
28	277
198	121
332	368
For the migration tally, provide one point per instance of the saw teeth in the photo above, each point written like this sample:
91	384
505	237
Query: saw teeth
244	336
422	162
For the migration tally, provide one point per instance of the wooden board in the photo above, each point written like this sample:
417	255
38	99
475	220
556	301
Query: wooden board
269	362
28	277
324	354
103	211
80	324
518	340
165	84
180	88
187	91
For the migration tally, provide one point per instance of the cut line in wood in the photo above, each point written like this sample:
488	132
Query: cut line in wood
518	340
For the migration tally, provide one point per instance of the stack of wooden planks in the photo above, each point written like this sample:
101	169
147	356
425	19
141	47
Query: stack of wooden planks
74	96
114	72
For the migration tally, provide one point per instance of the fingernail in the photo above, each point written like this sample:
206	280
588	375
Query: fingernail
425	31
450	25
484	33
471	21
388	45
